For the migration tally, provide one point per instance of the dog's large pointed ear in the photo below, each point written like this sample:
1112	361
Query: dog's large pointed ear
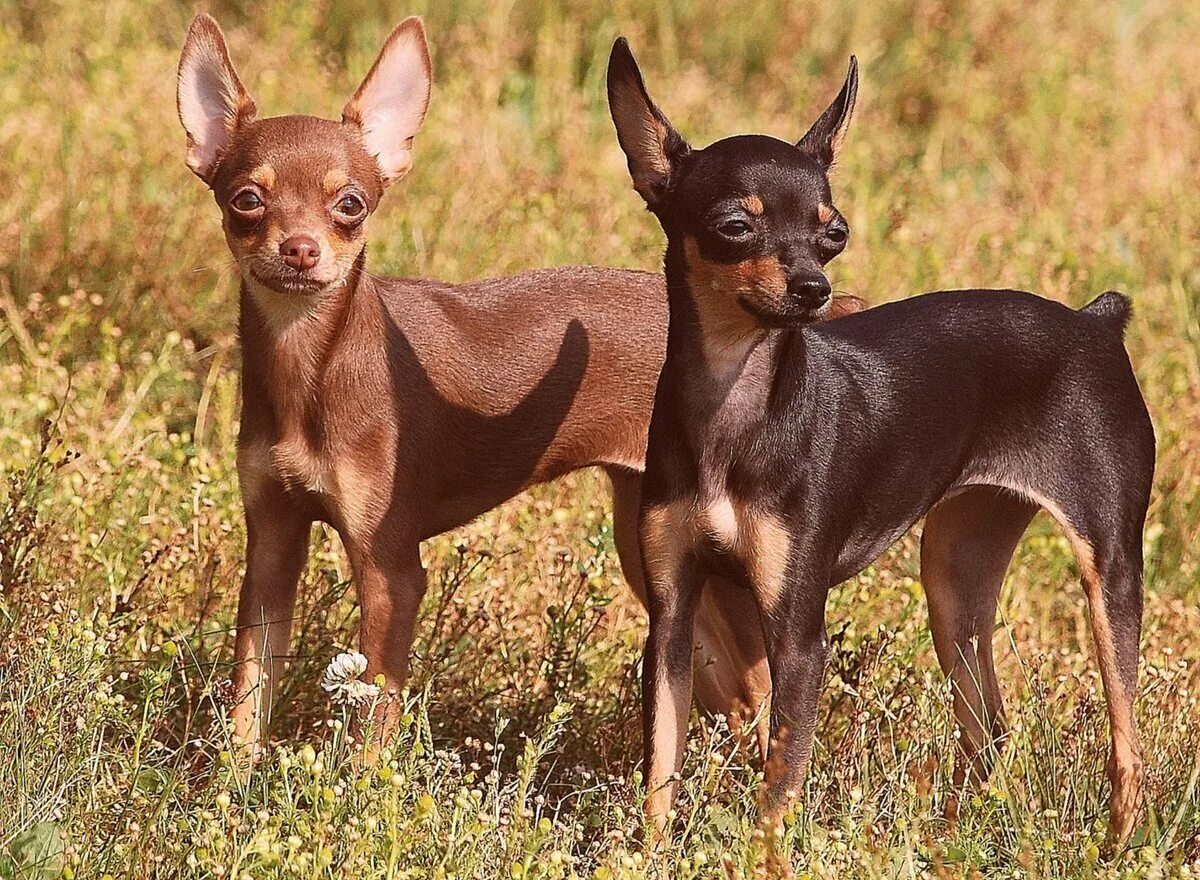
211	100
653	148
824	139
390	105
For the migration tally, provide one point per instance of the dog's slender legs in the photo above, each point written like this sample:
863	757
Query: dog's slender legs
966	546
798	649
1114	590
276	550
730	671
391	584
732	674
667	684
626	496
1106	535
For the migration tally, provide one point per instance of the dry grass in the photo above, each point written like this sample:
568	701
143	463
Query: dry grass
1051	146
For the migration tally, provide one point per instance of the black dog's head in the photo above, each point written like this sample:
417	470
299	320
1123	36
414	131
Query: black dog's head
753	215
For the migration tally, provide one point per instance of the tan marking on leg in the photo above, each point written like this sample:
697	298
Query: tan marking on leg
260	649
767	554
362	495
264	176
666	539
1125	762
670	732
301	467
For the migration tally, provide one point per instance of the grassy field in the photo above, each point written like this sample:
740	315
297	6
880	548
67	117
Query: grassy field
1051	146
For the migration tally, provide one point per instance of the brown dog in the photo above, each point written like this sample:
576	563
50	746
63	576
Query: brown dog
396	409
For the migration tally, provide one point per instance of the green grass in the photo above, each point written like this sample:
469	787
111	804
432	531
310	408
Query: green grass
1048	146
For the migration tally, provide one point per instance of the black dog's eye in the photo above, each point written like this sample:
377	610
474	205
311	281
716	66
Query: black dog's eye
837	235
350	206
246	202
734	228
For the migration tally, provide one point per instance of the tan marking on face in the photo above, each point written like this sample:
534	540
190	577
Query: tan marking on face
729	330
334	180
753	205
842	304
824	213
264	176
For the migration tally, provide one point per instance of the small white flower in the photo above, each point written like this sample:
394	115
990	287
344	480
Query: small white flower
342	681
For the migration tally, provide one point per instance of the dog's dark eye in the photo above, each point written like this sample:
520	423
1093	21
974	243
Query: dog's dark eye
246	202
837	235
350	206
734	228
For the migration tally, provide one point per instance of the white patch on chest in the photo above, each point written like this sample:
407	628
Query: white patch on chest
718	520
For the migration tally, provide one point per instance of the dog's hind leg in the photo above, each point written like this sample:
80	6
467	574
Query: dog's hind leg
1113	582
1111	570
966	546
1105	531
731	676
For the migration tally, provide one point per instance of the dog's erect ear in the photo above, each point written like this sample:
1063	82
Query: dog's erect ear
824	139
390	105
651	145
212	102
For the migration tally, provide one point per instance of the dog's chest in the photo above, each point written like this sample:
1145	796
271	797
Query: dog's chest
302	468
717	522
291	463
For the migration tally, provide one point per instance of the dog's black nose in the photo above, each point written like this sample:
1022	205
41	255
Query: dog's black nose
300	252
809	291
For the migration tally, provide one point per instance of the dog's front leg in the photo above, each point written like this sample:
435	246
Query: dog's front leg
797	648
667	687
674	582
391	584
276	550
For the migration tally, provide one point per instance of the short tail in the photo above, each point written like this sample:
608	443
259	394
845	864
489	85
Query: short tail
1113	309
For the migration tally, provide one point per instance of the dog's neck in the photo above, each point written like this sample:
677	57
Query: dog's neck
288	340
719	386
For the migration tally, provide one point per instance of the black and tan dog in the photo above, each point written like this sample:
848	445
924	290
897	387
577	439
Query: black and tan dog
786	455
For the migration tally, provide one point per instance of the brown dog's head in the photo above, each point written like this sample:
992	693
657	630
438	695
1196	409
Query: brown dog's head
752	216
295	191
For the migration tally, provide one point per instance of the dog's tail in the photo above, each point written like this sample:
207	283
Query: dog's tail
1113	309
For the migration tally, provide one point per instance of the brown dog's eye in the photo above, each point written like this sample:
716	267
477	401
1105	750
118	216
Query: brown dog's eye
246	202
350	207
